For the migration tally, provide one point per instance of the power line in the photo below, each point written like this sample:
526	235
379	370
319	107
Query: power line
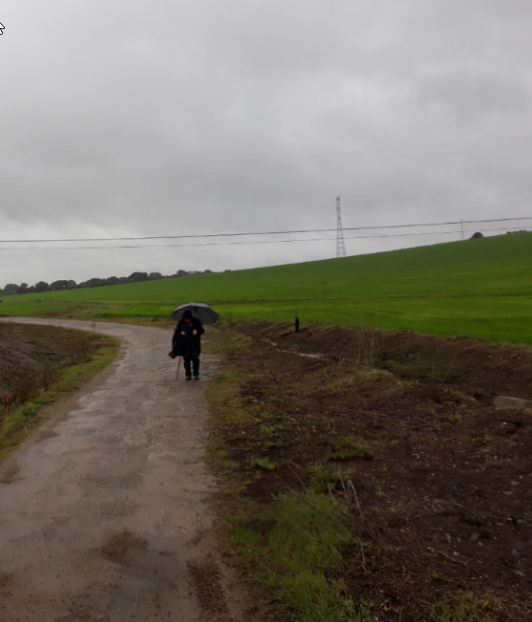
258	233
254	242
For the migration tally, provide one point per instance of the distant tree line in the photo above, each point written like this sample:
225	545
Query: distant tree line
62	285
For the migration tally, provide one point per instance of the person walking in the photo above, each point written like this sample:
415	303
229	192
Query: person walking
186	342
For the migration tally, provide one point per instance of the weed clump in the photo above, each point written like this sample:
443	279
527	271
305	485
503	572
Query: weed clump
350	448
264	464
324	479
468	608
271	430
296	555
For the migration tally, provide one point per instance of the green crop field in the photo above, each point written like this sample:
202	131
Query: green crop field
480	288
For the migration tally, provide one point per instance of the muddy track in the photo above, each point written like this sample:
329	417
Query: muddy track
104	514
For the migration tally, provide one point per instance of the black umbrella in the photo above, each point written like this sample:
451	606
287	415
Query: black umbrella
199	310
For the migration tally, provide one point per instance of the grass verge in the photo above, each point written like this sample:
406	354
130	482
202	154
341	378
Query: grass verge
295	549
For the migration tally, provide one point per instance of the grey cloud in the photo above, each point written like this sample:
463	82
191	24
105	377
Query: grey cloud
138	118
468	96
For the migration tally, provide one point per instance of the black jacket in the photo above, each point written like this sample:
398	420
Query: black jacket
188	345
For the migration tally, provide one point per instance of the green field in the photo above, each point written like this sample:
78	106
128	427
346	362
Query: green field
481	288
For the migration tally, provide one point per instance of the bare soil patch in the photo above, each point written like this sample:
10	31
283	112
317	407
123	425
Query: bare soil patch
10	474
403	427
495	368
208	585
121	547
5	579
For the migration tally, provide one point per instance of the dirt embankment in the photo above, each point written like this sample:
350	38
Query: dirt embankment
32	356
440	477
489	369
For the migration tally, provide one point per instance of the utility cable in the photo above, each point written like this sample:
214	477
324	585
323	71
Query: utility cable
254	242
256	233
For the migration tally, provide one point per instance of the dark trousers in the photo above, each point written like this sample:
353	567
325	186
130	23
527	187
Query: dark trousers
191	364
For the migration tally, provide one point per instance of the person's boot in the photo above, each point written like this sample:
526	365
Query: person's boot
188	377
196	376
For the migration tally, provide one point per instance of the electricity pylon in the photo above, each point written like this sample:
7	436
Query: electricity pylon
340	242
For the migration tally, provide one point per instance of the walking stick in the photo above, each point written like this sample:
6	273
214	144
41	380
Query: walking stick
178	366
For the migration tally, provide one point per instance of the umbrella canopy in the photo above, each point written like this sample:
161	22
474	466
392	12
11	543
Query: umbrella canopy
200	311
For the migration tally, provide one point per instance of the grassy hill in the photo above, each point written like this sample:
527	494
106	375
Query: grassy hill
481	288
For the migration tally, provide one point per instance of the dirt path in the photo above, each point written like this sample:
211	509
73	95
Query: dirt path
103	516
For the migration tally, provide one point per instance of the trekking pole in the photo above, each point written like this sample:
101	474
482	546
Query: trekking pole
178	366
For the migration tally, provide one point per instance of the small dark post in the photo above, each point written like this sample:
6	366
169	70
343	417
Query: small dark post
297	324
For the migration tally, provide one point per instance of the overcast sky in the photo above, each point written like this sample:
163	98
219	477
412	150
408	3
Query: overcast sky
129	118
